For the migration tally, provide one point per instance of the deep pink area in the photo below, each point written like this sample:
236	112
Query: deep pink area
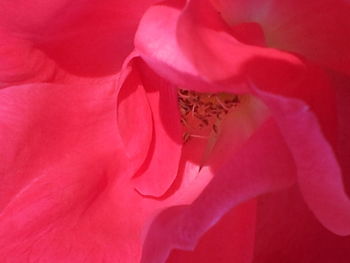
84	37
287	231
317	30
60	200
198	51
89	164
231	239
263	164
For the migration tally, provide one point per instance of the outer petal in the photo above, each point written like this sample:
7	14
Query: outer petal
196	50
286	231
316	29
342	84
85	37
65	190
229	240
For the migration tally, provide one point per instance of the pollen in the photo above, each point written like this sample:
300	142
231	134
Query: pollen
202	113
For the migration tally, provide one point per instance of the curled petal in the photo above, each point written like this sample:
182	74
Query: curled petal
249	172
201	53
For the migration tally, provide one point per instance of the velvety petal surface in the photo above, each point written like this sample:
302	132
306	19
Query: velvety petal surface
244	174
342	84
287	231
316	29
149	122
84	37
134	115
65	186
199	52
229	240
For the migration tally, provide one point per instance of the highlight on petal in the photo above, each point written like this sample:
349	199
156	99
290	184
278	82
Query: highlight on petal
218	61
134	115
239	174
198	52
319	174
162	137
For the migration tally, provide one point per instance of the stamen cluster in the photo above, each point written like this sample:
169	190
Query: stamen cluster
202	113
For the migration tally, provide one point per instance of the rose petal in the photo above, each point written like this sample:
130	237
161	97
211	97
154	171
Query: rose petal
157	174
316	29
218	57
341	84
21	62
287	231
262	165
319	174
230	240
222	63
134	114
90	38
66	194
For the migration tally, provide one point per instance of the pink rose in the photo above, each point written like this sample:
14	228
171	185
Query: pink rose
109	163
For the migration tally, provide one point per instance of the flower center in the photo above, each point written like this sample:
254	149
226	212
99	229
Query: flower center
202	113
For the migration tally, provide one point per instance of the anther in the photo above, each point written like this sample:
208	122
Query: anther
202	113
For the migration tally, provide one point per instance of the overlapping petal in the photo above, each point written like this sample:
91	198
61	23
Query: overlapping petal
230	239
161	129
85	37
66	193
316	29
243	174
198	51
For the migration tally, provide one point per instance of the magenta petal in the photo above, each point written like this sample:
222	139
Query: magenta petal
319	174
262	165
230	240
222	63
219	61
160	169
85	37
64	182
287	231
134	114
342	90
21	62
316	29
